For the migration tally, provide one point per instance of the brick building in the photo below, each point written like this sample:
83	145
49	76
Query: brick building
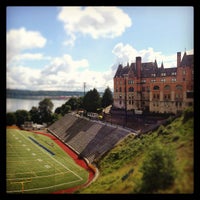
145	86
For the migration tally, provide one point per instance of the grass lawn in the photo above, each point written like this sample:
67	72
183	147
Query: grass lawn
35	163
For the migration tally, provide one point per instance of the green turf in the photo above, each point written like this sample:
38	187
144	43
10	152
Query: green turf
31	168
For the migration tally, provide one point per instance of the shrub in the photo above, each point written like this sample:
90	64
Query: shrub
158	169
187	114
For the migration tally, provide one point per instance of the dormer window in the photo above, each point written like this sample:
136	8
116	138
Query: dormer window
173	73
163	74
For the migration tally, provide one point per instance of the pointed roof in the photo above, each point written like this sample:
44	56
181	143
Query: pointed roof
187	60
162	66
155	64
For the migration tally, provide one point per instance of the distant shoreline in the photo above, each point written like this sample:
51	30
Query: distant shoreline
40	94
41	97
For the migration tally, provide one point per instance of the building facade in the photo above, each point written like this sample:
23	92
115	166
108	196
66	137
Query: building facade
145	86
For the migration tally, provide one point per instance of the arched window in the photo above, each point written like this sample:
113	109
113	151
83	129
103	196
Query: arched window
156	87
179	87
131	89
167	87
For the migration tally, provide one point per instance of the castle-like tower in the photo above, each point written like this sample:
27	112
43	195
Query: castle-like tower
145	86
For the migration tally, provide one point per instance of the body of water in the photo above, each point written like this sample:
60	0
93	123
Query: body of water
13	105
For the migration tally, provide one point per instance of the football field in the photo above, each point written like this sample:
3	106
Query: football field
35	163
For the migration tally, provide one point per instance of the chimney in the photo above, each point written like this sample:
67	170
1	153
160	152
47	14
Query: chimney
138	66
178	59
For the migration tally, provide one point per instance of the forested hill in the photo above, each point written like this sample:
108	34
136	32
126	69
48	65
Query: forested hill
15	93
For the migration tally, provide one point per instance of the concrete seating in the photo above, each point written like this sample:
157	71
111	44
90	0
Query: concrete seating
90	139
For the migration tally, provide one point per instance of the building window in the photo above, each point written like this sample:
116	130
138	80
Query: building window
153	75
153	80
179	87
184	72
130	82
163	74
167	87
162	80
143	81
189	95
173	79
120	89
156	87
173	73
131	89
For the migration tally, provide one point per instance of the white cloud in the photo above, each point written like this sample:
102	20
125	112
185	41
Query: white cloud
62	73
64	64
20	77
125	53
105	22
30	56
21	39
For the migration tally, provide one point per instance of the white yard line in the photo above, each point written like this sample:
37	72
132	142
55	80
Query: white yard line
52	157
27	190
48	187
36	177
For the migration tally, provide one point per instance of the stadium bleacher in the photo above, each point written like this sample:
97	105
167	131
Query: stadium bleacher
90	139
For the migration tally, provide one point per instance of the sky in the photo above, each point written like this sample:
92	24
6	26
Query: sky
60	48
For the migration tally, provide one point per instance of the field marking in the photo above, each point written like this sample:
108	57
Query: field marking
48	187
37	177
51	157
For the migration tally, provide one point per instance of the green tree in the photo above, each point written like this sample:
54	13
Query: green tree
107	98
92	101
45	110
10	118
55	117
34	115
22	116
64	109
74	103
158	169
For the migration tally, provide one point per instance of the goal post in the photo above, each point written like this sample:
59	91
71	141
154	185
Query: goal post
22	182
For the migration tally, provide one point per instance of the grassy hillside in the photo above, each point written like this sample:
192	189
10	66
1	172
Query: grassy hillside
120	170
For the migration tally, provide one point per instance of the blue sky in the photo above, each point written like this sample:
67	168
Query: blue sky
60	48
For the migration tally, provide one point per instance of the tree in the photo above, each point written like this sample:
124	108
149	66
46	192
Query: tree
158	169
21	117
10	118
34	115
64	109
45	110
91	101
107	98
74	103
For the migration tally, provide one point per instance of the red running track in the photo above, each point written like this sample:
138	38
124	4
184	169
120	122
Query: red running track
80	162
